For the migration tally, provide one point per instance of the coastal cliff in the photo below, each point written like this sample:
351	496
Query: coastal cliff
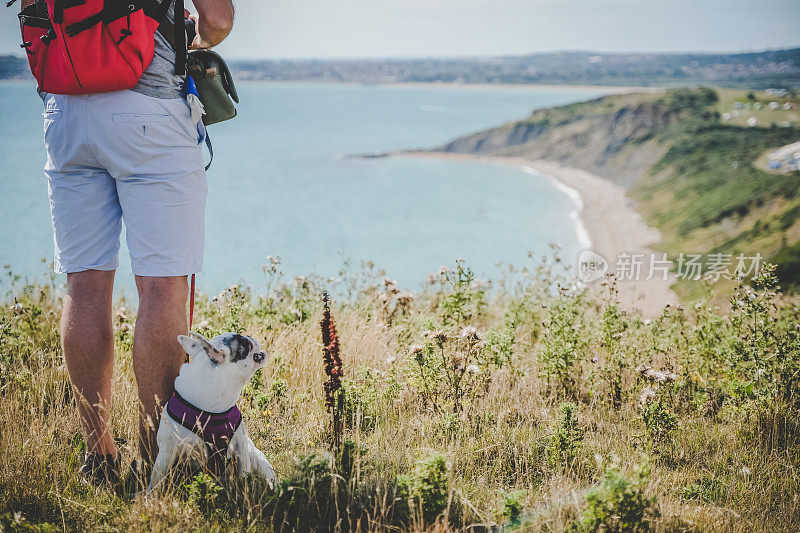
591	135
696	175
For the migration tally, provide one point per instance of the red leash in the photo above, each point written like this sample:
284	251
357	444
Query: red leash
191	304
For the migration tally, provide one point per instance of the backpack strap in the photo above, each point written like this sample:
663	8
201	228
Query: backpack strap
111	11
60	5
179	31
175	34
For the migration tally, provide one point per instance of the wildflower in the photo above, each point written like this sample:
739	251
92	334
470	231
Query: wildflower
405	298
473	369
438	335
334	397
594	359
300	281
647	322
274	260
746	471
17	308
443	270
457	360
203	324
417	351
470	333
391	360
659	376
647	396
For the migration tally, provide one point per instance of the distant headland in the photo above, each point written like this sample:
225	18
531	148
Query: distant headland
751	70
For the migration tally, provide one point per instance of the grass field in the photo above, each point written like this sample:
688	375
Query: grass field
758	106
519	405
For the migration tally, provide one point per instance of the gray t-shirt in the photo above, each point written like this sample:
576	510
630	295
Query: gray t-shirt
159	79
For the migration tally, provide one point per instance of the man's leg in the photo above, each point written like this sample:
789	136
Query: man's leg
157	356
87	339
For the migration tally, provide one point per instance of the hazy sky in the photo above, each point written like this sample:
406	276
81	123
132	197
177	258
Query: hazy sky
406	28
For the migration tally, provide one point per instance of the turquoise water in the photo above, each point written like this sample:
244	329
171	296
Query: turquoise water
281	184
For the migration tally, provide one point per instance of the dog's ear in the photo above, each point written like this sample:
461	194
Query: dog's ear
197	342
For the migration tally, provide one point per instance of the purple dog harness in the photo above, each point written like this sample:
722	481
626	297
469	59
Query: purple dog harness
216	429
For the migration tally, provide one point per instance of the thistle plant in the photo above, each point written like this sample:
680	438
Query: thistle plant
334	394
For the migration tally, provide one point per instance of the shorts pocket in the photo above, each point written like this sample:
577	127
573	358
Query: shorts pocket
139	118
51	114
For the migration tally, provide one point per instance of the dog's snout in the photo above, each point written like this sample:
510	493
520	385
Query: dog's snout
259	357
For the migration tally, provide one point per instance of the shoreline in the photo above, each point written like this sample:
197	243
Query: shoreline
606	89
584	239
607	223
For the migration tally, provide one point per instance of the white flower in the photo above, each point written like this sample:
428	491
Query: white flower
437	334
473	369
647	396
416	349
406	296
470	333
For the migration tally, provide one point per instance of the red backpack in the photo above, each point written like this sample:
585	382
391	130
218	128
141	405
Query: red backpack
91	46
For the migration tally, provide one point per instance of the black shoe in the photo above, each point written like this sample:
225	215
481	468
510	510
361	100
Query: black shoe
100	469
137	480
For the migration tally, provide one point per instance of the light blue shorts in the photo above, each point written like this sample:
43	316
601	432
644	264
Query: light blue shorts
123	156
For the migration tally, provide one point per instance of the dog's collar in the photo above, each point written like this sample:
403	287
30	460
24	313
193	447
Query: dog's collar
216	429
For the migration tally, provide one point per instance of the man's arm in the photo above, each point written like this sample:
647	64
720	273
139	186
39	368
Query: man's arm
213	22
24	4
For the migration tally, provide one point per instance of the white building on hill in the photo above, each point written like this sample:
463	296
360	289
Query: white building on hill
786	157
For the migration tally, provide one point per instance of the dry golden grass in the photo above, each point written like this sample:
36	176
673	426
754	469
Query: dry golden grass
735	471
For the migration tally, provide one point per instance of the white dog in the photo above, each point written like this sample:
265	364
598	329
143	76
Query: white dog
202	417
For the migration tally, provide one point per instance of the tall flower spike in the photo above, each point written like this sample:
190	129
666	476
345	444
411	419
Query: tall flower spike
334	395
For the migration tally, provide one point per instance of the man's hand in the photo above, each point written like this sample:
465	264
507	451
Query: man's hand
213	22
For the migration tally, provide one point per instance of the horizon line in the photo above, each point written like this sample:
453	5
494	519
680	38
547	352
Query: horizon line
498	56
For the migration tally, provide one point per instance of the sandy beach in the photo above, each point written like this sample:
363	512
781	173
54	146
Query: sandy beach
607	224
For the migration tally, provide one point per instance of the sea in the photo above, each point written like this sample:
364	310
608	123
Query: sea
283	184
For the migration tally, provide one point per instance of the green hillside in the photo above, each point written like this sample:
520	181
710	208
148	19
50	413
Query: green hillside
697	174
